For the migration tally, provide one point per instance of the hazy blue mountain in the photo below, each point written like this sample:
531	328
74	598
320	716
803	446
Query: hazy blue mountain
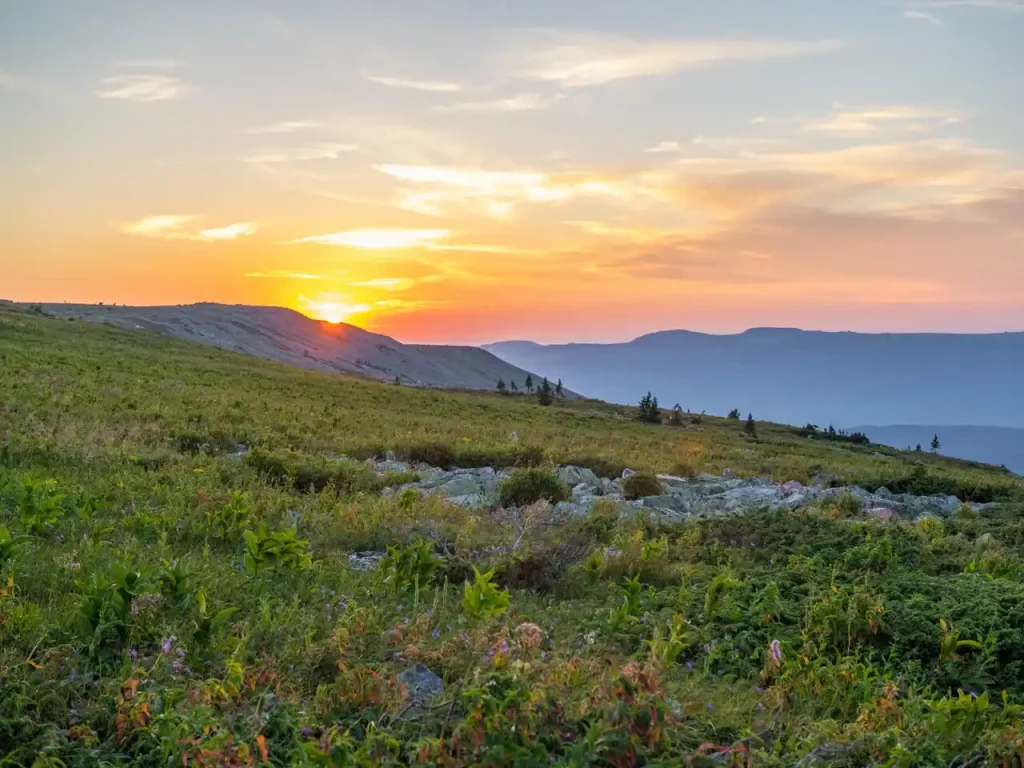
992	445
795	376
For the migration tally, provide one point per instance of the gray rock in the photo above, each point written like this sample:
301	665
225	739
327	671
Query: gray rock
573	476
365	561
728	474
883	493
390	456
471	501
464	485
627	472
881	513
583	490
420	683
668	501
791	488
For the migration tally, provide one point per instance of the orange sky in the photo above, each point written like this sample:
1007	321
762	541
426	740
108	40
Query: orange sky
544	178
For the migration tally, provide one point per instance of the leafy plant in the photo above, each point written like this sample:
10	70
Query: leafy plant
207	627
482	599
9	546
277	550
231	519
40	505
668	643
410	568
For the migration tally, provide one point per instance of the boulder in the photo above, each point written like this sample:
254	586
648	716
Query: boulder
462	485
668	501
365	561
420	683
881	513
583	490
573	476
791	488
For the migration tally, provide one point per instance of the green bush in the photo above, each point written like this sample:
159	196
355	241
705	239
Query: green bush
312	475
525	486
641	484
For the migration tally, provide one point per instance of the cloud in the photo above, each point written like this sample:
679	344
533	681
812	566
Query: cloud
431	86
143	88
152	64
665	146
496	192
524	102
230	232
923	16
287	126
574	60
281	273
323	151
171	227
167	226
387	283
995	5
868	120
379	239
11	82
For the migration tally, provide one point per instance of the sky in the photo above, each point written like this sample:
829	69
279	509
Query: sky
558	170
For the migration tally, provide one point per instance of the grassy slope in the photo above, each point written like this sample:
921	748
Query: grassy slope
113	418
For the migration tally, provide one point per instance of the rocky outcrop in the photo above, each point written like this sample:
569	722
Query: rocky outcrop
682	498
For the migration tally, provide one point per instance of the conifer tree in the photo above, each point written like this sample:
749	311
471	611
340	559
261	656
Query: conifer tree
750	427
545	394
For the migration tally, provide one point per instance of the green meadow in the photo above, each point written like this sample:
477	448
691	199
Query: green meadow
176	523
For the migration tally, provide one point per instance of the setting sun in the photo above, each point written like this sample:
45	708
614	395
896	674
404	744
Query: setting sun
331	311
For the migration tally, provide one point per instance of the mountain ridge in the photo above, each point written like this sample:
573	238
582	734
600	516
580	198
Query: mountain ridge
282	334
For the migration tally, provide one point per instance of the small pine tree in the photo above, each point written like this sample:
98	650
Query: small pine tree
648	410
750	427
559	392
545	393
936	444
918	448
398	381
513	386
529	383
734	414
501	386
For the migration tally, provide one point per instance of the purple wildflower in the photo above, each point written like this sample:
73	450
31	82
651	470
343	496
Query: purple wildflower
132	653
775	650
435	634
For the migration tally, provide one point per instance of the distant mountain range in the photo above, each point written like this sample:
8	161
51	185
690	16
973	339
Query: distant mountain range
290	337
991	445
795	377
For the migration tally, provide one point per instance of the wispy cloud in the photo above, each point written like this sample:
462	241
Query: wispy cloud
11	82
432	86
152	64
995	5
158	226
286	126
665	146
230	232
523	102
575	60
923	16
143	88
387	283
172	227
298	154
283	273
868	120
379	239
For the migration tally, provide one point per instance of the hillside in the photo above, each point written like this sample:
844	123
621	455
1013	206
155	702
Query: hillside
195	570
284	335
797	377
992	445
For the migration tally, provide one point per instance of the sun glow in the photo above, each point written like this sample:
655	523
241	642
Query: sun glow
331	310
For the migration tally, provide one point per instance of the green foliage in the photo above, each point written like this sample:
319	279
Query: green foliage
734	414
525	486
409	569
132	631
482	599
648	410
641	484
275	550
545	393
40	505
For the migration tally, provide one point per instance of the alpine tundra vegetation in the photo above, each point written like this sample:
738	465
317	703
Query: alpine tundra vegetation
213	559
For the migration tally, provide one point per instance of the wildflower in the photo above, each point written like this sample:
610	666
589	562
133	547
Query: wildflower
760	705
503	646
707	647
435	634
710	707
689	665
168	644
543	655
307	731
775	650
132	653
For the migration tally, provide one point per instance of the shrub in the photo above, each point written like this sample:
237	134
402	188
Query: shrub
648	410
482	599
312	477
527	485
435	454
408	569
641	484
